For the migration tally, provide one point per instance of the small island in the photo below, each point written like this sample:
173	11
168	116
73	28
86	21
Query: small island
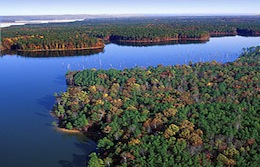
202	114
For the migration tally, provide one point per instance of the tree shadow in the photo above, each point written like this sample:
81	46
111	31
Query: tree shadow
61	53
87	147
43	115
47	102
78	161
60	80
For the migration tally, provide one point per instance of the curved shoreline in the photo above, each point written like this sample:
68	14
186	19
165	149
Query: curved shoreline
64	130
67	130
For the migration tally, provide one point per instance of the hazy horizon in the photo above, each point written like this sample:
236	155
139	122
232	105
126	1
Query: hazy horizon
137	14
133	7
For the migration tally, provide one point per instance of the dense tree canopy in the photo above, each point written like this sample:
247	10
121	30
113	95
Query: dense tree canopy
91	33
47	39
202	114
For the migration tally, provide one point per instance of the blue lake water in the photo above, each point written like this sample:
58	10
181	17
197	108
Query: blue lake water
27	85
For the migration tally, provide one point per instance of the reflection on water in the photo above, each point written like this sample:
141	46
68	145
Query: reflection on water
157	43
44	54
84	144
8	52
62	53
80	160
47	102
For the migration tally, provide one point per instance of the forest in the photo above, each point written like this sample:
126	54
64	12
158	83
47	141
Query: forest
94	33
200	114
48	39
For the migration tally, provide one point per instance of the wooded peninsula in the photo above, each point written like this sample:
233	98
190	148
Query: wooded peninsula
202	114
94	33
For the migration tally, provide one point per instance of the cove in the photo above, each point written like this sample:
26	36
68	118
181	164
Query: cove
28	84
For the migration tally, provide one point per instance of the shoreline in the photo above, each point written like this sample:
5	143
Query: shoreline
158	41
50	50
67	130
144	41
205	38
63	130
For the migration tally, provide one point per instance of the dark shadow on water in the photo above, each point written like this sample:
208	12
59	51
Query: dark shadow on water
143	44
61	80
78	161
47	102
49	54
47	115
50	125
8	52
86	147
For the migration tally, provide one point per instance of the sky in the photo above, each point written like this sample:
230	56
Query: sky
178	7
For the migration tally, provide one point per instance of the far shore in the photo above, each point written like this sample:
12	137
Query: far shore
72	49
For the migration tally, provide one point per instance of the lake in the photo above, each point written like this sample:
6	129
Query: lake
27	85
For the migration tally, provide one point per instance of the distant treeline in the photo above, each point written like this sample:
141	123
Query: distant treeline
92	33
202	114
